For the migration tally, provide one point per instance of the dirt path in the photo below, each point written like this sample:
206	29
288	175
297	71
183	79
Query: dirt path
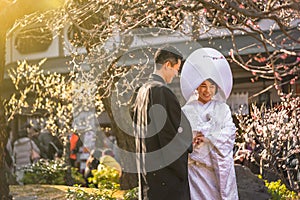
43	192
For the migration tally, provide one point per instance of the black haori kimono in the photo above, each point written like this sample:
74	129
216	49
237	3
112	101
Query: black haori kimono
163	145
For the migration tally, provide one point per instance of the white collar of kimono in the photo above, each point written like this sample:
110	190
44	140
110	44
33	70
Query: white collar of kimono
203	64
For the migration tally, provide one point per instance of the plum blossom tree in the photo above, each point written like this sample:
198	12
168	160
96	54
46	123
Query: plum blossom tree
276	135
107	31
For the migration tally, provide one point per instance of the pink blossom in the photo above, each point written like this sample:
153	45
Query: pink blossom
283	56
256	26
292	81
231	52
249	22
277	75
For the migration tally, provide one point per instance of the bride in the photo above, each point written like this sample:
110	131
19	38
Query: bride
206	83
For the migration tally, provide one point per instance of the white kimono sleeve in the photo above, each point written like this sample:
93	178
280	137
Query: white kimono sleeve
222	137
222	134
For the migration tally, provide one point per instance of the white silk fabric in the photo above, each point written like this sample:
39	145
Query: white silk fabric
203	64
211	165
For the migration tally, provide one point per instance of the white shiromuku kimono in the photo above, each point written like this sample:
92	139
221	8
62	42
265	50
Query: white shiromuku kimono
211	165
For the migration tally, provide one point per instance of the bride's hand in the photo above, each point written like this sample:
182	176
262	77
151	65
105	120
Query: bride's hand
198	139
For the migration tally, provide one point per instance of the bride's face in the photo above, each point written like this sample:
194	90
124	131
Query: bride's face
206	91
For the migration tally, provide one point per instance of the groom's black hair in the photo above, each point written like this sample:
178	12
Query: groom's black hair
167	53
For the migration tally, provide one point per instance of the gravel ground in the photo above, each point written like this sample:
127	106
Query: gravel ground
47	192
38	192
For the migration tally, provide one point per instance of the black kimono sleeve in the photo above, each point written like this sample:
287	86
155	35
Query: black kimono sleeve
175	136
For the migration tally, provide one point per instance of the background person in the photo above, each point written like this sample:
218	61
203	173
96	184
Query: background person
22	154
50	146
75	144
108	159
91	164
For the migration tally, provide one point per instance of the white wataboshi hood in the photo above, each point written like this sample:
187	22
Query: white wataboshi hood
203	64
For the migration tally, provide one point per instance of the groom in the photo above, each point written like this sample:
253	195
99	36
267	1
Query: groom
163	134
